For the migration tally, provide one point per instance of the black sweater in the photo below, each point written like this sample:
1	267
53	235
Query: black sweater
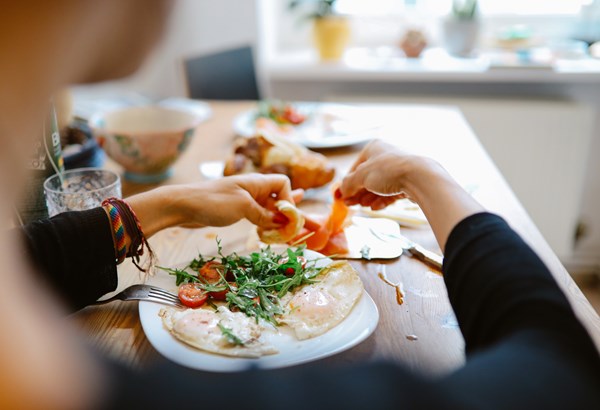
525	347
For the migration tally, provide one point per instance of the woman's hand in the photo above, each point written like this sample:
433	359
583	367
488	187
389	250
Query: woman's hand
377	178
228	200
382	174
212	203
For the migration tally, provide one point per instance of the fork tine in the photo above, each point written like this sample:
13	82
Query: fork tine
163	292
162	297
172	298
164	301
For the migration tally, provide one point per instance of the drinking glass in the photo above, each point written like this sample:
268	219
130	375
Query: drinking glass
80	189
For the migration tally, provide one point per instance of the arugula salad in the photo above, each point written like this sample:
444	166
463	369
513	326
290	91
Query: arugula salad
252	284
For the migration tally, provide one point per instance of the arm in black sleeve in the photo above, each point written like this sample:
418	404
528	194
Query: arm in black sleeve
74	253
526	349
525	346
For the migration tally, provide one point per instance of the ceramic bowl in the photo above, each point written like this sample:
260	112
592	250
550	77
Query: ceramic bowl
146	141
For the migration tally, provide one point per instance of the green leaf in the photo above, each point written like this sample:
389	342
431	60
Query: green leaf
228	334
181	276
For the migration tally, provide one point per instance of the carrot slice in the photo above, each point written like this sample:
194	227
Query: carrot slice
328	231
317	224
337	245
338	215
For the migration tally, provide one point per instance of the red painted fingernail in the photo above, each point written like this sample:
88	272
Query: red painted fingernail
280	219
337	193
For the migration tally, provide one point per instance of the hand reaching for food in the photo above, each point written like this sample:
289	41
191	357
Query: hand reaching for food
213	203
382	174
271	154
376	178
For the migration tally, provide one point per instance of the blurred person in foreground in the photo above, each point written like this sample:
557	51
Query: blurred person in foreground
525	347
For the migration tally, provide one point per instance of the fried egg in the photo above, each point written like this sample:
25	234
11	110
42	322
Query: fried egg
204	330
313	309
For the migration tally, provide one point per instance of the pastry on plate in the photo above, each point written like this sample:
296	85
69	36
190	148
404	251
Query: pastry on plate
272	154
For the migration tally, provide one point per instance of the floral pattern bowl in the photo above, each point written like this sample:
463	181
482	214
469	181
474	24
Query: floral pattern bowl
146	141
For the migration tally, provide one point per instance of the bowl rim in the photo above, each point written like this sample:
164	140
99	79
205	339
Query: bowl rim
96	117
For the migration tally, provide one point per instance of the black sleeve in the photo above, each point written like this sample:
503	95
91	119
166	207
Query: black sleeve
526	349
74	253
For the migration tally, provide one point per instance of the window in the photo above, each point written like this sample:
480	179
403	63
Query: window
440	7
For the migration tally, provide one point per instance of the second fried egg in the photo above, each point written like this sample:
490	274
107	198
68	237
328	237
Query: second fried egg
313	309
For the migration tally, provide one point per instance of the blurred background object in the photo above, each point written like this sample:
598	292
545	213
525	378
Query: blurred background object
79	147
461	28
226	75
147	140
515	37
331	31
413	43
595	49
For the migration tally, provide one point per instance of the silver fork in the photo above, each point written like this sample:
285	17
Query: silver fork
145	292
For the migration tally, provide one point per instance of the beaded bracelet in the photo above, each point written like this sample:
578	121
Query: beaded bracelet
124	221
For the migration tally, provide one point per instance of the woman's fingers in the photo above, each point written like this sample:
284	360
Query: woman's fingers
382	202
264	192
281	187
366	198
266	189
372	149
297	195
260	216
353	182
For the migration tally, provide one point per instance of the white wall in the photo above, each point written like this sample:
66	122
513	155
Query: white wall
197	27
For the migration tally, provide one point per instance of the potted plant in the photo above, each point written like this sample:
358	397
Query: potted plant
461	28
331	31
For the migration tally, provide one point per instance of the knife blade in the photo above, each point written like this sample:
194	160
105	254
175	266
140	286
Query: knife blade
419	252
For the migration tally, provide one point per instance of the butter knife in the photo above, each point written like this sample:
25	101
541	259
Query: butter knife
426	256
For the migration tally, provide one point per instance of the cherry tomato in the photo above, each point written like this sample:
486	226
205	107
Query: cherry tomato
192	295
209	272
290	271
292	116
221	295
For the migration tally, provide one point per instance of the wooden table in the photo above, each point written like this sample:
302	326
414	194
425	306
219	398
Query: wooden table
439	132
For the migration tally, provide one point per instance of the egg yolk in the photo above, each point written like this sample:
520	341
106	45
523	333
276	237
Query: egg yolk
312	303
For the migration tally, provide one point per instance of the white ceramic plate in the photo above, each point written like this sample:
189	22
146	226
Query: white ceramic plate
361	322
326	126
